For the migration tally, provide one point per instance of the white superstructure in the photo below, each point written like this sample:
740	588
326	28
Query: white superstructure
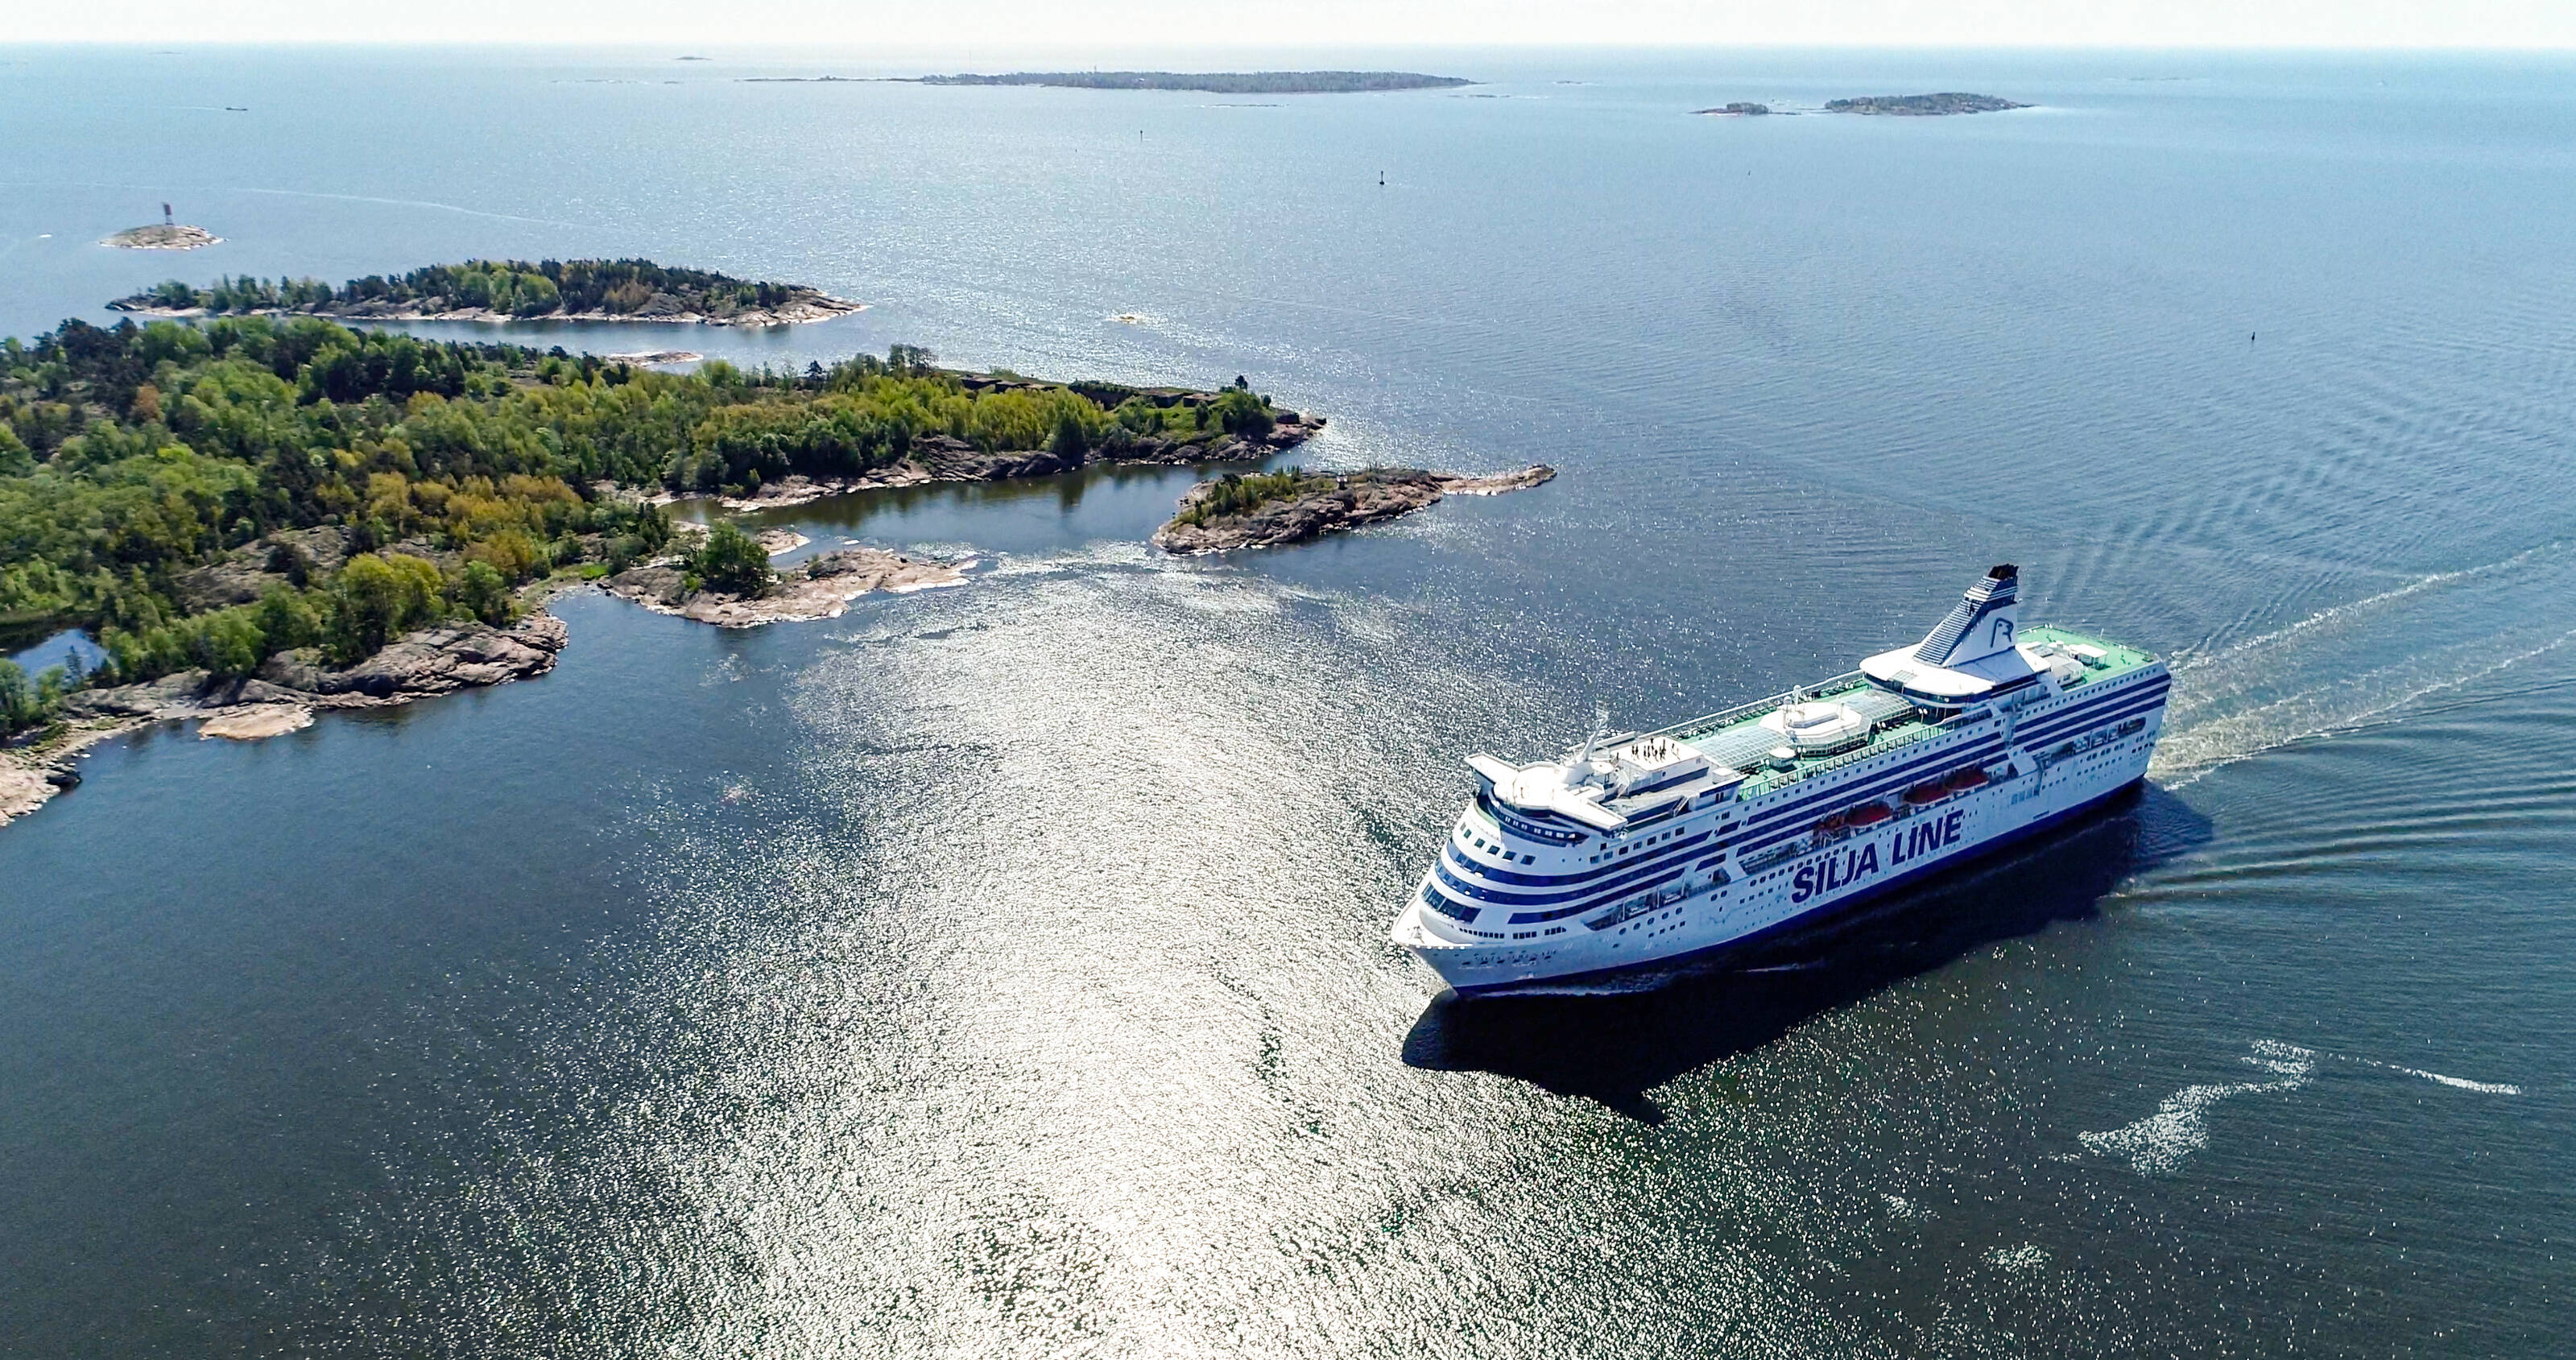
1642	848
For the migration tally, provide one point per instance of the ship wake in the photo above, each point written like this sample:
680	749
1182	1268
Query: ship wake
2364	662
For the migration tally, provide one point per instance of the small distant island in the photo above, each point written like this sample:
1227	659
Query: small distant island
507	290
1738	110
1921	105
162	236
259	517
1266	509
1216	82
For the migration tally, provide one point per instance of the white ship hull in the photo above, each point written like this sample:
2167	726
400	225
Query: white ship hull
1838	876
1556	873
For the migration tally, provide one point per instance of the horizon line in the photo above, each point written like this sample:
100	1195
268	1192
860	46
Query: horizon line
812	47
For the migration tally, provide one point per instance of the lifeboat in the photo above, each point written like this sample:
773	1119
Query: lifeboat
1832	824
1868	814
1922	794
1973	777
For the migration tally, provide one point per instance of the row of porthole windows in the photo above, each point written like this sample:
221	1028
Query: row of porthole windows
1509	857
1641	924
1640	845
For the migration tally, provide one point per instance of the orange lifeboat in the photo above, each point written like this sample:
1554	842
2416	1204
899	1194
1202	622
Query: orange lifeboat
1830	825
1932	792
1973	777
1869	814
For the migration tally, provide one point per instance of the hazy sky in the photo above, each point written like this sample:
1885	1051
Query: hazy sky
1320	25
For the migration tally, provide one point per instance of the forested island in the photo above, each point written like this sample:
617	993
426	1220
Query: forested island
1216	82
258	516
1266	509
507	290
1921	105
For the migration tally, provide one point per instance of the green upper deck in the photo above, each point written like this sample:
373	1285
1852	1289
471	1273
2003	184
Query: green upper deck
1735	736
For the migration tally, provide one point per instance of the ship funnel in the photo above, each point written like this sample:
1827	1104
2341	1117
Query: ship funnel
1981	624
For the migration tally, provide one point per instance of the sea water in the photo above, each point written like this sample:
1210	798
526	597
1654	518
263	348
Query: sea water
1002	970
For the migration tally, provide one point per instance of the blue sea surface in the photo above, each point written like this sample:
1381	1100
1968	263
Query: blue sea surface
1002	970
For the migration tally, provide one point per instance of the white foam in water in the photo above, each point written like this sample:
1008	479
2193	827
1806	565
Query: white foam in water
2160	1143
1902	1207
1104	553
2027	1256
2493	1088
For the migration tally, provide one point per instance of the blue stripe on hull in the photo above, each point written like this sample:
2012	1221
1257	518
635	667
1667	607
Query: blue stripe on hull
2052	726
1820	914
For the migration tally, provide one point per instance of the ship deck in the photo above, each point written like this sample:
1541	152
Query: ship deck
1735	737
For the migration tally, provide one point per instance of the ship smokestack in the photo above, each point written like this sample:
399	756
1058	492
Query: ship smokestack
1982	623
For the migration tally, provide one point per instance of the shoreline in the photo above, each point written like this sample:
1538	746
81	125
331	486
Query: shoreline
802	312
283	697
940	459
291	688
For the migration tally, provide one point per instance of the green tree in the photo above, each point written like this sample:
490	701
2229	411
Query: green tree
1068	441
17	697
377	598
483	593
228	644
1240	412
287	619
733	562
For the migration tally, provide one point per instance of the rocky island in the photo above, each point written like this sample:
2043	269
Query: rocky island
1263	510
722	576
1921	105
1738	110
1216	82
258	517
162	236
507	290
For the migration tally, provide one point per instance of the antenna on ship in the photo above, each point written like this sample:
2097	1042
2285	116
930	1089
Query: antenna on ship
1600	729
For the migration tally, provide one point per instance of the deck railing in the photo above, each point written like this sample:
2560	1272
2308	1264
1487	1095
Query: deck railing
1701	726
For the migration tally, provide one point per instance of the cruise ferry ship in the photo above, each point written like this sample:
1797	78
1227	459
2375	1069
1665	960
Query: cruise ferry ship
1639	849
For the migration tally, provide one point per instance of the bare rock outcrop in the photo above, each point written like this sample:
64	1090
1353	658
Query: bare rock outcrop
430	661
820	588
1332	501
240	576
162	236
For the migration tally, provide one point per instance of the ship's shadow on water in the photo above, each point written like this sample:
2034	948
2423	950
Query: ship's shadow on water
1615	1043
